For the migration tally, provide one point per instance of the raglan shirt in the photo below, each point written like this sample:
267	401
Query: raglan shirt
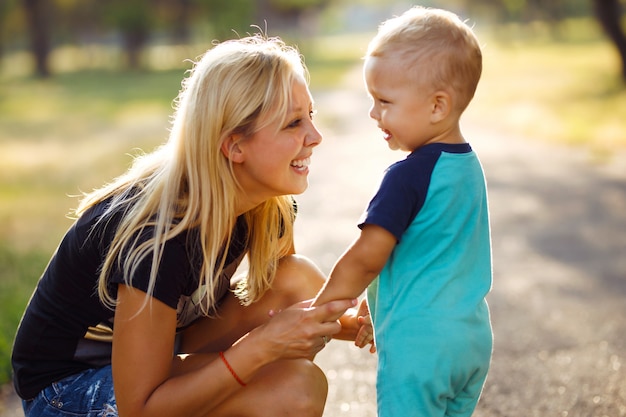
435	204
66	329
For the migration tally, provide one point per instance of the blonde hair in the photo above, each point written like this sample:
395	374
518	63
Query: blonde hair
189	183
440	48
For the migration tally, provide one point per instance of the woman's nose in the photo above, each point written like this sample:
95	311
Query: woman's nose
313	137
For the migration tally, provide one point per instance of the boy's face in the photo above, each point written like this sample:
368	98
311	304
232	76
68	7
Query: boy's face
402	107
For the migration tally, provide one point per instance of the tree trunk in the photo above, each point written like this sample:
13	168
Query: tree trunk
182	21
38	17
134	41
609	15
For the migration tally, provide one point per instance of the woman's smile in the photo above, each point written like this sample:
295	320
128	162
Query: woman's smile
301	165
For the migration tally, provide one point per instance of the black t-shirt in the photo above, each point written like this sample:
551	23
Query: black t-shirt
66	329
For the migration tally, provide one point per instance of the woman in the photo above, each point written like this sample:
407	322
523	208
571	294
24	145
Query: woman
133	316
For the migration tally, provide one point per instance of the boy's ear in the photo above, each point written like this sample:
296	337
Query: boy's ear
231	149
441	106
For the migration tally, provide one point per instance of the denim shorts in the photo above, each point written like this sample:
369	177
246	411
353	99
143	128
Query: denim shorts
88	394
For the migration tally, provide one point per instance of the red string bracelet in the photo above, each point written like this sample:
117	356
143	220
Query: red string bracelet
232	371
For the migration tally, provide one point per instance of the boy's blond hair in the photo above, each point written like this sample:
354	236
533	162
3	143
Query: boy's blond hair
438	48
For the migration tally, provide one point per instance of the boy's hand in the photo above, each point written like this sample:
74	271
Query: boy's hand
365	334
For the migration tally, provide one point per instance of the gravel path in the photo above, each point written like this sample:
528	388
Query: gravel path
559	246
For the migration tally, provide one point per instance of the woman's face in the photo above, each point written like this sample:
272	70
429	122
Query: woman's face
275	160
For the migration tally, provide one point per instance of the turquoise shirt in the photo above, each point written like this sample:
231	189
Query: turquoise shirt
430	296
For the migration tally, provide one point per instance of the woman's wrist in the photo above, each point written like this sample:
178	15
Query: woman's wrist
249	354
262	345
231	370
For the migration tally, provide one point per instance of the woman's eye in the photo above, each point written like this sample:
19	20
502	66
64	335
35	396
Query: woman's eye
294	123
297	122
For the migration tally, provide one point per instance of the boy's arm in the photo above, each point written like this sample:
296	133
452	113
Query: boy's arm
358	266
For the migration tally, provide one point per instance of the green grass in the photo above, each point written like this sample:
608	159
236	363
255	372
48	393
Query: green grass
564	93
19	272
75	131
59	137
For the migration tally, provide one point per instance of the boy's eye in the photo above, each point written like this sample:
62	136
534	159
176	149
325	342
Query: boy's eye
378	100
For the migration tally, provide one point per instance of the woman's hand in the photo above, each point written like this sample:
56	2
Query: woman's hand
301	331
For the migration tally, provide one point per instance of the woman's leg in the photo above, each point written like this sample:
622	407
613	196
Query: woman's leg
295	387
299	389
88	394
283	388
297	279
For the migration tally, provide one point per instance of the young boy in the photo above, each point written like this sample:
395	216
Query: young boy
424	248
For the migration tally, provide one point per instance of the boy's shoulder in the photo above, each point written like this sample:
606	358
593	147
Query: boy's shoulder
439	148
428	155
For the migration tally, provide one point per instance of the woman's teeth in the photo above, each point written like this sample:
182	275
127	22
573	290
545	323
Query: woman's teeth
301	163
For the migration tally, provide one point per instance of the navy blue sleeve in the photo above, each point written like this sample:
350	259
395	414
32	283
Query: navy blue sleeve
401	194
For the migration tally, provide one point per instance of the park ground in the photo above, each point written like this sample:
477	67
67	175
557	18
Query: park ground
559	249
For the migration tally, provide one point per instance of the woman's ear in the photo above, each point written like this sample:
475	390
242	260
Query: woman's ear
441	106
231	149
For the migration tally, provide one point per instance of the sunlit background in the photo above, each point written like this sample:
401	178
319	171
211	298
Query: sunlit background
86	84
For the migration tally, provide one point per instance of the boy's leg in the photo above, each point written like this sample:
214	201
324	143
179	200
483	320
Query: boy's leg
464	404
465	401
473	362
413	373
431	368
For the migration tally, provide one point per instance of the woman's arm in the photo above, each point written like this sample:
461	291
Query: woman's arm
147	383
143	346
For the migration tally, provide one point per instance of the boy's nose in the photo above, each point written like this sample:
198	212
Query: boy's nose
373	112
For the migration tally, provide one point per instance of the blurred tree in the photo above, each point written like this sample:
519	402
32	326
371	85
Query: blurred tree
5	7
78	21
609	14
269	15
292	13
50	22
134	20
181	20
38	16
226	17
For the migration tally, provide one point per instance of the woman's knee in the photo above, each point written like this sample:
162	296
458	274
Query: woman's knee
298	277
288	388
299	388
309	378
